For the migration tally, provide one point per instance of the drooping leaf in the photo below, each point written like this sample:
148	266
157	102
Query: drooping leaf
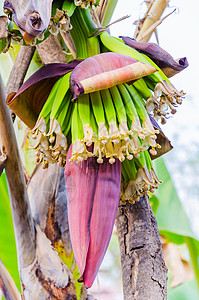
29	100
161	57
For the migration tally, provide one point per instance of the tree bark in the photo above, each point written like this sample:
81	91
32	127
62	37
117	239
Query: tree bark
22	218
143	267
19	69
50	51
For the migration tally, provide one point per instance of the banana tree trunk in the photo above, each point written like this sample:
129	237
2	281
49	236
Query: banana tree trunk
143	267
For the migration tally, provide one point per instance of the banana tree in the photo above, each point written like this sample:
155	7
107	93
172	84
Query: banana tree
91	109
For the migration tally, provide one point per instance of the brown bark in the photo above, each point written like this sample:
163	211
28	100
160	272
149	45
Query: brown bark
50	51
143	267
19	69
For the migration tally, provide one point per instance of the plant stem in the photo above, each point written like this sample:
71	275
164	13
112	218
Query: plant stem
22	217
19	69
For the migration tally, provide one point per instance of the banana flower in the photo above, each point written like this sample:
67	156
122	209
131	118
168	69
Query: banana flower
32	17
87	116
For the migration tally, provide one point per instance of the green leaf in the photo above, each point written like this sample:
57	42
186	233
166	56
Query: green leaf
193	246
185	291
170	214
172	220
8	253
2	44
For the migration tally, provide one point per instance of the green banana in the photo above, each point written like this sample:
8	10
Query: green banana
85	116
146	122
59	96
130	110
79	151
49	102
115	45
124	173
120	111
110	114
99	114
130	168
142	88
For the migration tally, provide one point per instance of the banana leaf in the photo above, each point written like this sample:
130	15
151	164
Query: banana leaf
185	291
172	220
8	253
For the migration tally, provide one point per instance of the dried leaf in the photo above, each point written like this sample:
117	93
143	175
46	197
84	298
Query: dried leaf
162	58
31	17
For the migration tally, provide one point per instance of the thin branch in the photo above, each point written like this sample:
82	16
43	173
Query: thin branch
19	69
7	285
152	28
22	218
153	15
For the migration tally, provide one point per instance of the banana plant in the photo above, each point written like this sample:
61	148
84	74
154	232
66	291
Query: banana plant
91	117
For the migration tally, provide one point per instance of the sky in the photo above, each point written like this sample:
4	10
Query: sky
178	36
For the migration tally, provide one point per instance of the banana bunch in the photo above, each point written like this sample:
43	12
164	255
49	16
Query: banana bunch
111	123
160	96
138	178
52	128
